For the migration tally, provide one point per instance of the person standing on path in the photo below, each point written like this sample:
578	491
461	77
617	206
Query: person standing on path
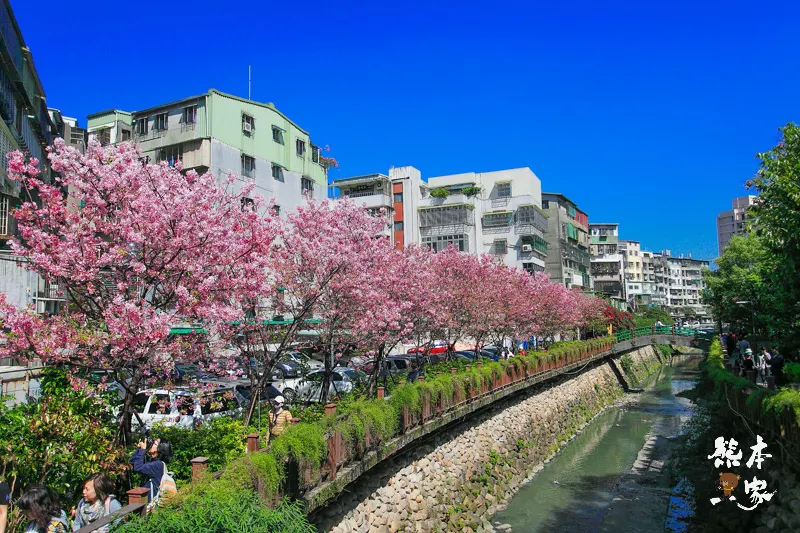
5	499
160	453
97	502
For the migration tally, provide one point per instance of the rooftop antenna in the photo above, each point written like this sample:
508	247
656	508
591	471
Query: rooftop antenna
249	80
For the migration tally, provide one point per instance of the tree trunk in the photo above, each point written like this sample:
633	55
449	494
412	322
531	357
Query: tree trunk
124	432
376	371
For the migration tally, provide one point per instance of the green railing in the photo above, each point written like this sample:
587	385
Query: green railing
661	330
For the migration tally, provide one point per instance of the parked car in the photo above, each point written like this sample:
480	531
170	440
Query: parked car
470	354
183	407
287	368
309	388
192	371
305	362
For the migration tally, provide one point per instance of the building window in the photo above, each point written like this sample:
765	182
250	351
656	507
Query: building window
277	210
248	166
104	136
494	220
125	135
545	204
248	124
398	197
161	122
141	126
307	185
504	190
500	247
277	172
277	134
4	208
315	153
171	154
189	115
441	242
300	146
398	226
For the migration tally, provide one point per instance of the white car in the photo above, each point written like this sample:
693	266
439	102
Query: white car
304	361
308	388
182	407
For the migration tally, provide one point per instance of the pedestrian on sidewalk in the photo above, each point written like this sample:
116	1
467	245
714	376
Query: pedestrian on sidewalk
758	366
767	357
41	507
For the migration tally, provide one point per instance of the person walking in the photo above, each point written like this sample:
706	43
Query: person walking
41	508
150	460
776	366
766	357
97	502
758	366
279	419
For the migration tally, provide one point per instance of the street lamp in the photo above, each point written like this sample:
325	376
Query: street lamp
752	314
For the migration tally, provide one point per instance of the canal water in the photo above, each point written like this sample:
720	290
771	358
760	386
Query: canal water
612	476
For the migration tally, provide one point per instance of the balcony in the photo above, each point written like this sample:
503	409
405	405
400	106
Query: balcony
528	220
446	219
453	199
369	199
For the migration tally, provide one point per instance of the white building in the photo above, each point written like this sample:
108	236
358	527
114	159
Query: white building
606	260
733	222
498	213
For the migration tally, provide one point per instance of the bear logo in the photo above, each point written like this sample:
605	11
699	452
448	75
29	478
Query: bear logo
728	482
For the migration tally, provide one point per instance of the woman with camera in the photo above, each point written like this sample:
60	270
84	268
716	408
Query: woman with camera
150	460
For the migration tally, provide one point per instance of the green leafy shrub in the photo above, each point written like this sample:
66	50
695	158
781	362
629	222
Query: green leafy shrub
61	441
440	192
218	508
472	190
222	441
301	441
791	372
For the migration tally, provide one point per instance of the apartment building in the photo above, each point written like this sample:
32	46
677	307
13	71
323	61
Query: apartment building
632	270
685	285
734	221
498	213
606	260
26	124
223	133
654	288
396	195
568	260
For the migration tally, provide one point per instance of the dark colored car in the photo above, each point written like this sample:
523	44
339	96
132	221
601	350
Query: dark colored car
192	371
470	354
287	369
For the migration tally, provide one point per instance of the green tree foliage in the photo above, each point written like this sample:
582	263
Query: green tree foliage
648	316
746	273
60	441
776	219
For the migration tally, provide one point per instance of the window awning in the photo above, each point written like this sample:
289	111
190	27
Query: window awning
279	165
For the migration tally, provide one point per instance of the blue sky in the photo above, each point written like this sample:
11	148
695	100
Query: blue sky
646	115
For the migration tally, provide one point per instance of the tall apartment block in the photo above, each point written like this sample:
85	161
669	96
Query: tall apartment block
606	260
685	285
498	213
568	260
733	222
223	133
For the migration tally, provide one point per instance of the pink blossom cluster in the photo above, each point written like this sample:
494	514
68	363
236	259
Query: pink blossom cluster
153	245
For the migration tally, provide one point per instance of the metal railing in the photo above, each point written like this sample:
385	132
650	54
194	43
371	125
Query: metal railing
662	330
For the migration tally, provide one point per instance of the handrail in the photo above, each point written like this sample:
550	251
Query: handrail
116	515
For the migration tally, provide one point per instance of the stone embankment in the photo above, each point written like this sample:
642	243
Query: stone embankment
461	483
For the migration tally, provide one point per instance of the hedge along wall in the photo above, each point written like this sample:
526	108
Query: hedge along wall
777	411
310	453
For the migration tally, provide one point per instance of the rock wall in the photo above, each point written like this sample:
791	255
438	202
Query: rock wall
458	481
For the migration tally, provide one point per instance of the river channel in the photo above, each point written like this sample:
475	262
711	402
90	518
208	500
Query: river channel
612	476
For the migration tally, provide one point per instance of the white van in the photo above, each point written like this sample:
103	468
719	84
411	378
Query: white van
182	407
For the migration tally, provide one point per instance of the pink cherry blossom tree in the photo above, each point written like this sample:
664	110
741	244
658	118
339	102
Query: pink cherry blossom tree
329	265
151	246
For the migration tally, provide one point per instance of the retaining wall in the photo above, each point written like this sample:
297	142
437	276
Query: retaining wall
457	481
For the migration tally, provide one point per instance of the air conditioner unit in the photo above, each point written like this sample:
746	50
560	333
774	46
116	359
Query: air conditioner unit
527	248
246	126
